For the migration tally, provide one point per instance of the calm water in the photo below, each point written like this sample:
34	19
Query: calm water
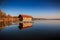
42	29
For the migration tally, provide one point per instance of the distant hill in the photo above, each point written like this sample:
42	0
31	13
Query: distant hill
45	19
54	19
39	19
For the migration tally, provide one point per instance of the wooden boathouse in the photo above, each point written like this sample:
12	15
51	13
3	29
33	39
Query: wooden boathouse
25	18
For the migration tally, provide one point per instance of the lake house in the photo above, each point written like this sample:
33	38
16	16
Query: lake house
25	18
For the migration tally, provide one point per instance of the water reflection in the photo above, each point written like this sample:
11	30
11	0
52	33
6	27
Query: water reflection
4	24
42	29
25	25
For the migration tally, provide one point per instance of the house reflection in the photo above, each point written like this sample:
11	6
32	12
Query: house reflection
25	25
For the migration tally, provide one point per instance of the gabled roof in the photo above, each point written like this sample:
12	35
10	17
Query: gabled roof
23	15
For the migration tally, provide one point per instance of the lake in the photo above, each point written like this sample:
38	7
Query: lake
39	29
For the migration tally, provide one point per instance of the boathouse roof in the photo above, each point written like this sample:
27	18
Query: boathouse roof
23	15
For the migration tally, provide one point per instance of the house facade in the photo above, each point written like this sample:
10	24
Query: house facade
25	18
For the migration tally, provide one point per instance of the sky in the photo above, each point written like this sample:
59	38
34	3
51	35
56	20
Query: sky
35	8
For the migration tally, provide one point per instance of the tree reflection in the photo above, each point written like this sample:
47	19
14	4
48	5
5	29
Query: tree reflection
4	24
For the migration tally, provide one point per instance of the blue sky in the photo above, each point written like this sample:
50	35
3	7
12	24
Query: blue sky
35	8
